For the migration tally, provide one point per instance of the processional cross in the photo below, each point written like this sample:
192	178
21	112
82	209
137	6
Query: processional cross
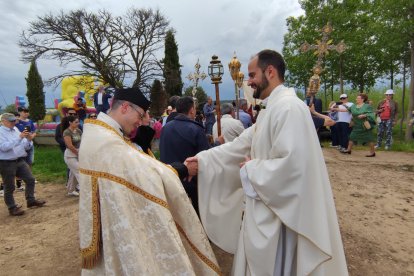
195	77
322	48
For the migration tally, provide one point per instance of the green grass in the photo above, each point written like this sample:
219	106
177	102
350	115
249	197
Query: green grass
49	166
398	143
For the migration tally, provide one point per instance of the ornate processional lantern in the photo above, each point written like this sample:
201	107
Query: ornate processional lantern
215	71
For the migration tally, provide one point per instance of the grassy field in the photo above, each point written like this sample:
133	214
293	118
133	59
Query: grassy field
49	165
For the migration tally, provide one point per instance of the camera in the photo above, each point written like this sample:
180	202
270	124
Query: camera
27	128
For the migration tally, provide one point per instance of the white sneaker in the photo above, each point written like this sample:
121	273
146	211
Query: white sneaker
20	189
377	146
387	148
1	193
74	193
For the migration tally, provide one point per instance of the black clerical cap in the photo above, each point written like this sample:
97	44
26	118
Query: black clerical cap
132	95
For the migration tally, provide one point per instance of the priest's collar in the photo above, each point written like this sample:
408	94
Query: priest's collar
108	120
263	103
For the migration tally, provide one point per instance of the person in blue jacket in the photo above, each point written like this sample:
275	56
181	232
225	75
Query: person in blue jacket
181	138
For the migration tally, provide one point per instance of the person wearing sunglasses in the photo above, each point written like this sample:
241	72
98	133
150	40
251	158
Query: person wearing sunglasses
58	131
93	116
137	201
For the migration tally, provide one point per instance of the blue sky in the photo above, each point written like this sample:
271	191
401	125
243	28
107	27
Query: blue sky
202	29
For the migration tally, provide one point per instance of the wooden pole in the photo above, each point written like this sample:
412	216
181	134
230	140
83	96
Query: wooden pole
237	100
218	109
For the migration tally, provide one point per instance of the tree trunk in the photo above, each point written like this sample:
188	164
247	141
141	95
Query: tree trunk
361	86
332	85
341	80
409	129
326	98
403	97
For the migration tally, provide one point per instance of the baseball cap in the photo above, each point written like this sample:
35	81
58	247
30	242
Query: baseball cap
389	92
343	96
8	117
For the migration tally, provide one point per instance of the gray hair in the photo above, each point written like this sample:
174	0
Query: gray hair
242	102
226	108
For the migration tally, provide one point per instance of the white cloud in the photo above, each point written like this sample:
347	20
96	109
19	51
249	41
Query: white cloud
202	29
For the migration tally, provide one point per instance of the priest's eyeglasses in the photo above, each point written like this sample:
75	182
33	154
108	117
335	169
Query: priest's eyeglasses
141	115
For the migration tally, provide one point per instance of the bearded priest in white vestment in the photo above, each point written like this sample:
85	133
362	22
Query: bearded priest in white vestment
275	172
134	216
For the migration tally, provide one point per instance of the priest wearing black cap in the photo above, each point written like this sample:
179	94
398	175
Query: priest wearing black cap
134	216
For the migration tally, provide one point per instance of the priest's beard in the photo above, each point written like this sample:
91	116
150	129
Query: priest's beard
260	87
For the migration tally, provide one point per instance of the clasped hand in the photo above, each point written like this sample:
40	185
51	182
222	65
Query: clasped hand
192	166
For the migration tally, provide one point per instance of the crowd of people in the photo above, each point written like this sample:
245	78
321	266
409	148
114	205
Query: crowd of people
352	124
256	190
220	183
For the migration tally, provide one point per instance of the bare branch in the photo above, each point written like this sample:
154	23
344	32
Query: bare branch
107	47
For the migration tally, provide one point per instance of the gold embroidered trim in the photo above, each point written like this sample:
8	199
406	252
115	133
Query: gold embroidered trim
90	255
205	259
125	183
127	140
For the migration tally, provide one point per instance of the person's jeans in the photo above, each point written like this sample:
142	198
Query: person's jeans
9	170
209	128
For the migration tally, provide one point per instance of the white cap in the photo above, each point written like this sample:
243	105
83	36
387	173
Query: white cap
343	96
169	107
389	92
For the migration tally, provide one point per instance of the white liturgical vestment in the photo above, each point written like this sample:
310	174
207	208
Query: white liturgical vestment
134	216
289	225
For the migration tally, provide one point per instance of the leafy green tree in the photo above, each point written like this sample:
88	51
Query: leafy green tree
35	93
395	21
299	65
11	108
351	22
158	99
172	71
200	94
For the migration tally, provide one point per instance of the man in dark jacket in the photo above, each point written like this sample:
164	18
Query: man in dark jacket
181	138
101	100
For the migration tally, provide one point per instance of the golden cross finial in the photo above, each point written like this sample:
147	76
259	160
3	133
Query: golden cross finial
196	76
322	48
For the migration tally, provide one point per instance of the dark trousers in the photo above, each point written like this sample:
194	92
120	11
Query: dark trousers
9	170
192	192
101	108
334	135
343	133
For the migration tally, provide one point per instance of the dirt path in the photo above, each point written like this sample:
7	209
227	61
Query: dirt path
374	199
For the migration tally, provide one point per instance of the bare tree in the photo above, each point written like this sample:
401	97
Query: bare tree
142	32
111	48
